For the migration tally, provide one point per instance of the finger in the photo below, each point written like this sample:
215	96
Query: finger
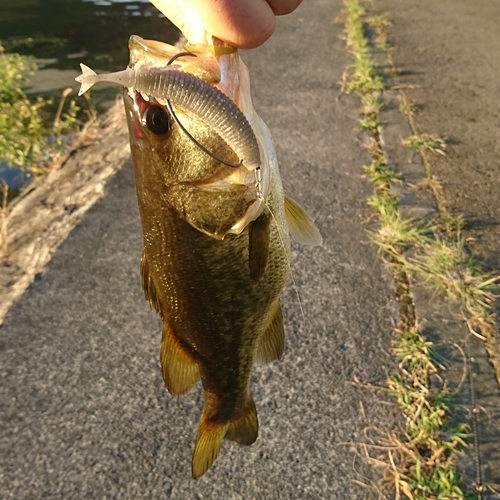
187	20
244	24
283	7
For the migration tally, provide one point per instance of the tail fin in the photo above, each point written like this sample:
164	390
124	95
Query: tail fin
243	430
86	79
208	442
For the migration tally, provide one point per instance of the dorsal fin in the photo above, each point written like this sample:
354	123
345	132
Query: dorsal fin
272	341
148	286
258	250
301	225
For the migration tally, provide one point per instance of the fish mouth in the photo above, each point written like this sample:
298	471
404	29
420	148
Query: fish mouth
227	193
251	180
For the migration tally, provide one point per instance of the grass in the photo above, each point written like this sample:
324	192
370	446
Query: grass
425	141
409	108
26	141
370	122
371	104
364	77
421	462
432	440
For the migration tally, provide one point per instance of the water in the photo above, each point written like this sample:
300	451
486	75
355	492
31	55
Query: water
66	31
63	33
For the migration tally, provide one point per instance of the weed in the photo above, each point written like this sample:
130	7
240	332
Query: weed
364	78
394	232
425	141
379	23
409	108
370	122
445	264
371	104
421	462
380	173
25	141
394	71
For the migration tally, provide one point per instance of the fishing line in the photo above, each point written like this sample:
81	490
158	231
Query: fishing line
171	110
261	197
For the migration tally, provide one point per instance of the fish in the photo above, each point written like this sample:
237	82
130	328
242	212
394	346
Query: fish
216	227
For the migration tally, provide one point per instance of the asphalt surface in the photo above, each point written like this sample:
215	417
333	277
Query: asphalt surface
453	77
446	56
84	412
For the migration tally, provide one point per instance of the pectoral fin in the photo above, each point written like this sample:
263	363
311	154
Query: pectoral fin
258	250
148	285
300	224
180	371
272	341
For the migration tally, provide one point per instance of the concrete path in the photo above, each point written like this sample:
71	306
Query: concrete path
84	413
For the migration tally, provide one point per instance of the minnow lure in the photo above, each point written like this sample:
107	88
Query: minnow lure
193	95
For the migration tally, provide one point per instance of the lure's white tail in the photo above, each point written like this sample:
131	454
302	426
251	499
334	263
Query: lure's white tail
86	79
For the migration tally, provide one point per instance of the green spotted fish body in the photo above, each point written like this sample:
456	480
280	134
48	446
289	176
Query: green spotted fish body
216	249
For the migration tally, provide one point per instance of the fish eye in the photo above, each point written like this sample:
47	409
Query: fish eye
157	120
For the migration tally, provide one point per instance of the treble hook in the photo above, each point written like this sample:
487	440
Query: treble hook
171	111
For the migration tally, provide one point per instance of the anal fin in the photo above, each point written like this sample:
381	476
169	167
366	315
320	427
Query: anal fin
272	341
180	371
301	225
148	286
258	250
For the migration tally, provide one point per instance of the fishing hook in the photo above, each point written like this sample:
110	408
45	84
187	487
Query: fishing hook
171	110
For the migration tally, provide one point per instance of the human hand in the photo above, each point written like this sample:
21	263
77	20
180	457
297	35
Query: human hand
245	24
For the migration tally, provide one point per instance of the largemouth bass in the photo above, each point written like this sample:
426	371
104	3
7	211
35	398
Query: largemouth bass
215	227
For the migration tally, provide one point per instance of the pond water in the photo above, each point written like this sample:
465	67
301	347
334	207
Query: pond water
63	33
67	31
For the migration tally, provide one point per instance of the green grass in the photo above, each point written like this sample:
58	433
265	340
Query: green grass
371	104
421	460
409	108
432	440
426	142
370	122
26	142
364	77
